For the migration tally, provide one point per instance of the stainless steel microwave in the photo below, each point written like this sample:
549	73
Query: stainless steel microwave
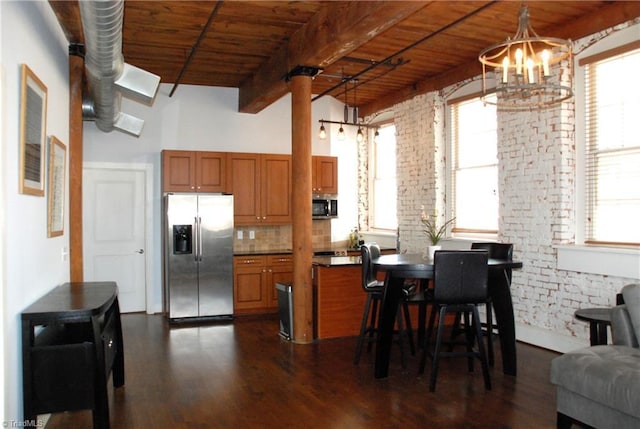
324	207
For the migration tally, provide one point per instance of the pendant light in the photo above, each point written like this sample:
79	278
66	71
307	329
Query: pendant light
521	70
323	132
360	136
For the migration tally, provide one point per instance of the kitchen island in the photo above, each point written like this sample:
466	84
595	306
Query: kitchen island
338	296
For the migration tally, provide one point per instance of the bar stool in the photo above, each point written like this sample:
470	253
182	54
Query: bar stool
495	251
460	285
374	289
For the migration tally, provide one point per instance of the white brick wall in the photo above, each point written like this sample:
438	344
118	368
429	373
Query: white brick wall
537	171
420	165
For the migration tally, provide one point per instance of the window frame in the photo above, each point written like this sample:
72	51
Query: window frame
619	261
585	158
466	93
371	192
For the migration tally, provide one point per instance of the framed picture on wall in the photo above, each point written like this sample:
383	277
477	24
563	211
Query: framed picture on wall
56	188
33	133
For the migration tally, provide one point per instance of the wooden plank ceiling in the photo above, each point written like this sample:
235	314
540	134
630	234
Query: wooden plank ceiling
383	52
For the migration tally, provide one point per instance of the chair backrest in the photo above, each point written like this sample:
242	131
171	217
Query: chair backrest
631	294
460	276
369	251
496	250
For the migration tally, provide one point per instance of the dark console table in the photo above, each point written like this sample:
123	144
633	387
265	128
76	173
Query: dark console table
71	344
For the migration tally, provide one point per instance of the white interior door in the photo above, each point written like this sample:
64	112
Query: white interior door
114	232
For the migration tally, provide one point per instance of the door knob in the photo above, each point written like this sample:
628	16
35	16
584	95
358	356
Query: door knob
140	251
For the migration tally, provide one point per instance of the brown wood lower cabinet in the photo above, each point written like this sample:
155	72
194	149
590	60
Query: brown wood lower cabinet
254	285
339	301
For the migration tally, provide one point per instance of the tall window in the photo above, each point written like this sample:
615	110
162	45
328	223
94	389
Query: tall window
383	184
612	146
474	167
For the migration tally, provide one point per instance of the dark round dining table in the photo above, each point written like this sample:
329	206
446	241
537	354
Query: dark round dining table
401	266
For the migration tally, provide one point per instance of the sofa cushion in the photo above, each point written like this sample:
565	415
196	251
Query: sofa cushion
609	375
631	294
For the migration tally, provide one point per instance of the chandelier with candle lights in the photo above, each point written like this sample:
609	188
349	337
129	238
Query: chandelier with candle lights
527	71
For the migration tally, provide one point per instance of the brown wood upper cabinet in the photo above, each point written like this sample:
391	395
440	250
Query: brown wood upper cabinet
261	188
325	175
193	171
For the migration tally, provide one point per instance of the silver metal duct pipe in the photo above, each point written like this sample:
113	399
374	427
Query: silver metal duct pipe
108	75
102	23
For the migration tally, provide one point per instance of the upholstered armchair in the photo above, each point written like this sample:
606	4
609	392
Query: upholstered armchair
600	385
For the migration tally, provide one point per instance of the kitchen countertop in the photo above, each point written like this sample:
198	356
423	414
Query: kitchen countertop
337	261
331	251
327	260
262	252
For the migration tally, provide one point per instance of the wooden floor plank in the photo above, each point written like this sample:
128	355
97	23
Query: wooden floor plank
242	375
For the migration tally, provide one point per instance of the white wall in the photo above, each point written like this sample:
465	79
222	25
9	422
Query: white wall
2	234
207	118
32	263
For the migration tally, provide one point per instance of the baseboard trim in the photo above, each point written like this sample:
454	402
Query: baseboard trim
548	339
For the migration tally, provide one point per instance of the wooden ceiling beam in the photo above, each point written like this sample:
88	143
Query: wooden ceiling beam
68	14
332	33
613	14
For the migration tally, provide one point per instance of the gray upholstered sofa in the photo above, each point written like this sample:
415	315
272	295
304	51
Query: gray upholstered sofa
600	385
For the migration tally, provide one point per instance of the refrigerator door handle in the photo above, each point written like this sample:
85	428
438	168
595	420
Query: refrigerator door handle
199	239
196	238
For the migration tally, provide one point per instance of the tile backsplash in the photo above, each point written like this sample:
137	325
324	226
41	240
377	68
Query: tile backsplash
278	237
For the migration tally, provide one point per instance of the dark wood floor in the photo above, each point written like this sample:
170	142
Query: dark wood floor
242	375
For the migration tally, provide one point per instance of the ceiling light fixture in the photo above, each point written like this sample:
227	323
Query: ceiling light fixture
341	133
524	76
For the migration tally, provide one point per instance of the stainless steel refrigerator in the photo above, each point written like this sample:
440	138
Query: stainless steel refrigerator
198	256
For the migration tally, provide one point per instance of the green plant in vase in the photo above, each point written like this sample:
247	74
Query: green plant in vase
434	232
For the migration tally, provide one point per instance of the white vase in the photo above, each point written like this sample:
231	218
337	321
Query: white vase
432	250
